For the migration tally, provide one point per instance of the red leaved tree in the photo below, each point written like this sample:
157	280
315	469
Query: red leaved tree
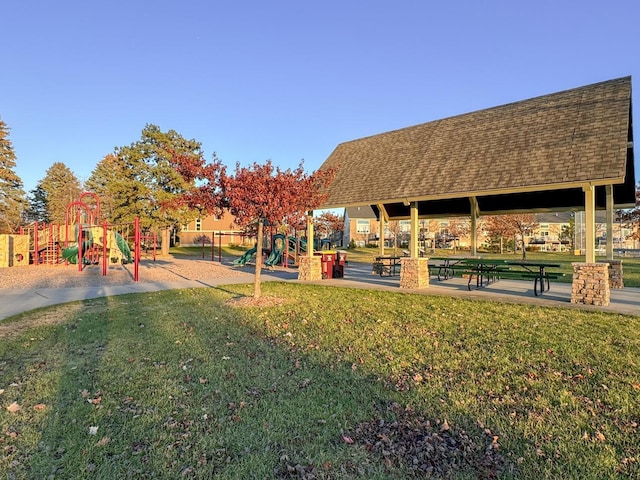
261	194
255	195
329	223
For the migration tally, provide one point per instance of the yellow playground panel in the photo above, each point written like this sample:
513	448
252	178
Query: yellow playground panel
115	254
14	250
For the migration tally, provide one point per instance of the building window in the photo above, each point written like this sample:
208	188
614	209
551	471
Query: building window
198	224
405	225
362	226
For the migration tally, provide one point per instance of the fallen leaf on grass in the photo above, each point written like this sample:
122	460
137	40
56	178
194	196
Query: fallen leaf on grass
14	408
85	393
39	406
103	441
634	385
346	439
1	391
93	430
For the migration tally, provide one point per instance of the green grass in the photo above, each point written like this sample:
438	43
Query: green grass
181	385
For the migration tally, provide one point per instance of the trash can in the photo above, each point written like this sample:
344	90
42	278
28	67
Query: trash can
338	267
328	261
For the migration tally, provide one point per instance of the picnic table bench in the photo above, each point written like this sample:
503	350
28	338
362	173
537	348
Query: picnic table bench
386	266
487	271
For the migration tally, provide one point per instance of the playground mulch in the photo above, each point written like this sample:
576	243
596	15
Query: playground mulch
163	269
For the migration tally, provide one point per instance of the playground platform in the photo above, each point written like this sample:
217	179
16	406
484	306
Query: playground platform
356	275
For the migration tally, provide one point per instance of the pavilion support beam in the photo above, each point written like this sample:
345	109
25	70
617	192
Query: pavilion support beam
309	265
590	222
310	238
475	212
609	192
383	218
415	228
590	283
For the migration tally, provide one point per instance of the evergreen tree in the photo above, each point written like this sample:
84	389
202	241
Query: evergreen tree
149	180
103	182
38	210
61	187
12	196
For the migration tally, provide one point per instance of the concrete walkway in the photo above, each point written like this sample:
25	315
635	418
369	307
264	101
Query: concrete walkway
626	301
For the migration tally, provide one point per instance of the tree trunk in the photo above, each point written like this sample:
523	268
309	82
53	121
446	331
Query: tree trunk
165	235
256	280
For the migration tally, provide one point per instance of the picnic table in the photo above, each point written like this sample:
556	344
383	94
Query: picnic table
387	266
448	266
486	271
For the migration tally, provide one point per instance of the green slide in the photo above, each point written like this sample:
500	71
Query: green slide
239	262
275	257
70	254
123	246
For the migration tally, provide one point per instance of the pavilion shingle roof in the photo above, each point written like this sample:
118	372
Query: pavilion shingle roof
549	142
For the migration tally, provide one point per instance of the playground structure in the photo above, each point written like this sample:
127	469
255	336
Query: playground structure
285	251
82	240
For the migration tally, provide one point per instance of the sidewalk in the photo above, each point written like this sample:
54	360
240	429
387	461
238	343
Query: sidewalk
627	300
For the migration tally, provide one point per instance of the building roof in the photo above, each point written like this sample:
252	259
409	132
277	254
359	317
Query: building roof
363	211
531	155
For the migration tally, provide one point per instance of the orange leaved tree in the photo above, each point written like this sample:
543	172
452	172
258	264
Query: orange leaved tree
261	194
254	195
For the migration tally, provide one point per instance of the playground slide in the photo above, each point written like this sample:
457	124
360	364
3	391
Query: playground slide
246	256
70	254
274	257
123	246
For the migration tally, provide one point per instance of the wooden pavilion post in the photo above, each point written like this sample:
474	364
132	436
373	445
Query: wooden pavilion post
609	191
310	239
381	236
474	226
590	283
414	271
310	265
413	245
590	223
382	218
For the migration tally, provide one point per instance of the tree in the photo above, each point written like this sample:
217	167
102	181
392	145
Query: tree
61	187
154	173
631	216
255	195
102	182
524	224
262	194
38	209
12	197
328	223
567	233
497	228
459	227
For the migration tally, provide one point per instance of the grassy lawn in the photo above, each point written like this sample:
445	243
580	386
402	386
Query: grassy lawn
336	383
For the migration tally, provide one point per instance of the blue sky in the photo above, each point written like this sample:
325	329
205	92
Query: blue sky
285	80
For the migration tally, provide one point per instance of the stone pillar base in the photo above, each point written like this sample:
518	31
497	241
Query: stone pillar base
615	274
591	284
310	268
414	273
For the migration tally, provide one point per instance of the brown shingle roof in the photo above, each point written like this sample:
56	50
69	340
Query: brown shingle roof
556	141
